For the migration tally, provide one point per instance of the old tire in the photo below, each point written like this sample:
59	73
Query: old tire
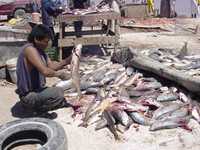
49	134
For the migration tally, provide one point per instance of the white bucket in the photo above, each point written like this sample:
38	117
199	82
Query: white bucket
35	17
11	66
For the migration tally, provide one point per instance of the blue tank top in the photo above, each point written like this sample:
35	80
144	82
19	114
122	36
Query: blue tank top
28	81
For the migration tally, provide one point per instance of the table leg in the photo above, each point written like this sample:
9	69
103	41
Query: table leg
60	37
117	34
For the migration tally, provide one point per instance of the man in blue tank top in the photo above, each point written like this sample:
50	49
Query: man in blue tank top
50	9
33	66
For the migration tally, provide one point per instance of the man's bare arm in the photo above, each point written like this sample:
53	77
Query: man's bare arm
59	65
34	59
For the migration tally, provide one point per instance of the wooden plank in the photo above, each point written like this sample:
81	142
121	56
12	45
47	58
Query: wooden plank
96	16
96	40
106	35
89	32
86	32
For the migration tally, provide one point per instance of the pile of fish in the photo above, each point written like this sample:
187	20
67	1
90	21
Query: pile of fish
179	61
124	96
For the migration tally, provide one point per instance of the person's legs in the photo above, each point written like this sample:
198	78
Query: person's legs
52	98
31	102
53	37
78	27
49	99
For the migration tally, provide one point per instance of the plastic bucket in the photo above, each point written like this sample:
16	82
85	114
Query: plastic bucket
35	17
11	66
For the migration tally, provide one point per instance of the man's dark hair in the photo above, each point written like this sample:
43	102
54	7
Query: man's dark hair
39	32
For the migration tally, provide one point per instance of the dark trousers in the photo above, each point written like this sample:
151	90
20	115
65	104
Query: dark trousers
78	27
48	99
54	38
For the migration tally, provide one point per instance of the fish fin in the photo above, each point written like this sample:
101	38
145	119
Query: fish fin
119	130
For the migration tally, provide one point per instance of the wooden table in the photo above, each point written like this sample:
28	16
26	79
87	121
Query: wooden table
107	34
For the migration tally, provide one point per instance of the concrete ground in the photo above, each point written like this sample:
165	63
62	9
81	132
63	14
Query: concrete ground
80	138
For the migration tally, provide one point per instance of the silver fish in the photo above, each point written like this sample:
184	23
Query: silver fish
98	76
101	94
192	57
134	107
121	81
140	118
167	97
119	77
107	79
135	93
193	66
196	113
111	123
166	109
123	94
133	79
65	85
184	98
149	79
75	63
181	112
169	123
148	86
92	90
89	84
129	71
183	52
121	117
150	101
102	123
90	113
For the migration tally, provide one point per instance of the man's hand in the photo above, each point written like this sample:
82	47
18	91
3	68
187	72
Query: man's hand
62	75
59	65
67	67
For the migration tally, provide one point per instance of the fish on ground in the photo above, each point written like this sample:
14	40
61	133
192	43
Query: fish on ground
75	63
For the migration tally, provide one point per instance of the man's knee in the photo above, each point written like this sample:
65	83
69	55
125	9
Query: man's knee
29	101
56	92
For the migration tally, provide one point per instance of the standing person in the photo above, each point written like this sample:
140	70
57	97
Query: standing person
33	65
51	9
150	5
78	4
165	8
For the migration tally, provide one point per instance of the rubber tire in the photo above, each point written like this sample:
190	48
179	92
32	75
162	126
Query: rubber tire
19	12
55	138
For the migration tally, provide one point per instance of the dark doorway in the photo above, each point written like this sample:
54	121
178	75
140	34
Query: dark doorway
165	8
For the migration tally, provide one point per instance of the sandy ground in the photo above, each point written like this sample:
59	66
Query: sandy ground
80	138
